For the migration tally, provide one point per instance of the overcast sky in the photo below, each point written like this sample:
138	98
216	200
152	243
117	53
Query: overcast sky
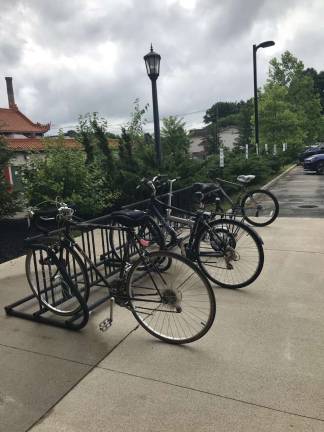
69	57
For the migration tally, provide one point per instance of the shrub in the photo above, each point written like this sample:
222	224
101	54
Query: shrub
63	174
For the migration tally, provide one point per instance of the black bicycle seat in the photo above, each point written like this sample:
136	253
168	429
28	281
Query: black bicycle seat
204	187
130	218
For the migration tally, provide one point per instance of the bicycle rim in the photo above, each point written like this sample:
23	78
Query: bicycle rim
260	207
230	253
177	305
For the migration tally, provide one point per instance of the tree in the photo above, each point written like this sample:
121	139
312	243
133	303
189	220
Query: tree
84	136
99	127
306	103
9	201
220	110
279	121
301	94
212	140
283	71
174	138
318	79
92	135
244	123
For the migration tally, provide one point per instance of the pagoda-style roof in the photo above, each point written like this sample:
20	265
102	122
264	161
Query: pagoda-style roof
12	120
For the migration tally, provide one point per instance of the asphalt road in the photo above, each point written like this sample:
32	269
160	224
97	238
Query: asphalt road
300	194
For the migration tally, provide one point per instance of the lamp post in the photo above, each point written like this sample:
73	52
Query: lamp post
265	44
152	62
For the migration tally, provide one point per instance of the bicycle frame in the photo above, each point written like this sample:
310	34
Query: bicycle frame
242	187
199	221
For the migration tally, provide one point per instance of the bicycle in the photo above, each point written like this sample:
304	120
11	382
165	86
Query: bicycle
258	207
167	294
227	251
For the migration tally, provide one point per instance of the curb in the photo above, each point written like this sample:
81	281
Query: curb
271	182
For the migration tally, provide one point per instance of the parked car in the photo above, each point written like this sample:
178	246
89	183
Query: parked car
310	151
315	163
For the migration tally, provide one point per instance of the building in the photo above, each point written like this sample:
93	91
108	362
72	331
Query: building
227	135
22	135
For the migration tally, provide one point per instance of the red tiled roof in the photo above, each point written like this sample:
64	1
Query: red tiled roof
35	144
12	120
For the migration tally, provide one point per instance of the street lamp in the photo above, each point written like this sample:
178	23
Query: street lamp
265	44
152	62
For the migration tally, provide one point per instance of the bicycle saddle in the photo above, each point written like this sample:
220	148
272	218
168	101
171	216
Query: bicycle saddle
245	178
204	187
130	218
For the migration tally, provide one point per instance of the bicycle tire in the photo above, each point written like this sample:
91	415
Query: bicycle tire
222	261
272	208
60	283
177	306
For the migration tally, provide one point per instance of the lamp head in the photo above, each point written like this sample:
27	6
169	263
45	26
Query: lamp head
152	63
265	44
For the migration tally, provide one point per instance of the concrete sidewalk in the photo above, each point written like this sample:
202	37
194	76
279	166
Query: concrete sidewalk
260	368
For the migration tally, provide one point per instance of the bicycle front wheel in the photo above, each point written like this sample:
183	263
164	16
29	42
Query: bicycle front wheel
230	253
58	280
176	305
260	207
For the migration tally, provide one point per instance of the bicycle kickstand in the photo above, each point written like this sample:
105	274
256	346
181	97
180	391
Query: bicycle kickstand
106	323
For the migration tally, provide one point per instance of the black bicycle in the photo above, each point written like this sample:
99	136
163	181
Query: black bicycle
227	251
167	294
258	207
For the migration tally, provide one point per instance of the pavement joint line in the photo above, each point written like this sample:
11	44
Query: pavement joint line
212	394
292	250
92	367
45	355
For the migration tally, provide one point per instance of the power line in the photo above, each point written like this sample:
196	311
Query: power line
117	125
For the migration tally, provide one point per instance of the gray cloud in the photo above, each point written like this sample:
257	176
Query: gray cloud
68	58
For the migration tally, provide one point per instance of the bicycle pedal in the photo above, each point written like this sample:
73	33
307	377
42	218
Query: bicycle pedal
105	324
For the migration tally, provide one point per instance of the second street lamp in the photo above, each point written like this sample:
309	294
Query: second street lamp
265	44
152	62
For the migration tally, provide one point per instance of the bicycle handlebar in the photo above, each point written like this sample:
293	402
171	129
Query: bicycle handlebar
37	216
156	182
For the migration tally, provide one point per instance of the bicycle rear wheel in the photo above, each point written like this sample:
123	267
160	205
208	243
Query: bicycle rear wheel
176	305
229	253
150	235
59	281
260	207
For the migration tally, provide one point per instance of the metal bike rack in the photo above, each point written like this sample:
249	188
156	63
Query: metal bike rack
95	243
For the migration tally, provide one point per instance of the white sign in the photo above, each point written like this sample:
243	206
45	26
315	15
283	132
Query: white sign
221	157
246	151
266	147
